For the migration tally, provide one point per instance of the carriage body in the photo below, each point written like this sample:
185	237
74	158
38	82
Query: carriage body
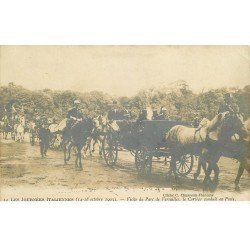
144	140
152	133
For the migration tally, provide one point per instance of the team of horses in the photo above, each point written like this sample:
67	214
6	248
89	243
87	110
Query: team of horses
225	135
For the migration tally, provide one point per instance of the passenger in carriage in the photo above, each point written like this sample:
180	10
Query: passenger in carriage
163	114
126	115
142	116
113	113
155	115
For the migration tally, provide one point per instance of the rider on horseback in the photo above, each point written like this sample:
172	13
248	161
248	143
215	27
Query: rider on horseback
74	115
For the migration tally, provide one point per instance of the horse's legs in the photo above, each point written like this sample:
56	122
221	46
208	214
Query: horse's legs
64	154
93	143
90	144
216	172
207	178
69	150
173	168
41	148
46	146
79	157
239	174
64	146
76	161
198	172
100	147
201	163
176	177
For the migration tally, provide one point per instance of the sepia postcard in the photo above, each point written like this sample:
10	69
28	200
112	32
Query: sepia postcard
124	123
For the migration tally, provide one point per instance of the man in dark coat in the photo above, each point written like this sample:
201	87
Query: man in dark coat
113	113
75	113
163	114
73	116
126	112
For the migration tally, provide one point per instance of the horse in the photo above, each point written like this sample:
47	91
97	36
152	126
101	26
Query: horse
207	142
19	133
19	129
77	137
97	135
237	149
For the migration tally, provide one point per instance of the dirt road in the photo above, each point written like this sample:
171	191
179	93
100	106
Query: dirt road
24	175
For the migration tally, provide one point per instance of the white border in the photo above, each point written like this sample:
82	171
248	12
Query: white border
124	225
125	22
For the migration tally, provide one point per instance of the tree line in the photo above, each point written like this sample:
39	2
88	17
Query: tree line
179	100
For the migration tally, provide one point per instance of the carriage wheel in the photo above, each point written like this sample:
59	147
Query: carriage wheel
185	164
110	149
143	161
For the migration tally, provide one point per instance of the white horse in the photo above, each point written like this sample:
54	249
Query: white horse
97	135
19	129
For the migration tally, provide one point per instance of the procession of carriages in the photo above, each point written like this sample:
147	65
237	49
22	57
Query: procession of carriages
146	140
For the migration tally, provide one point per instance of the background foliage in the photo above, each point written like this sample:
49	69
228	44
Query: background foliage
179	100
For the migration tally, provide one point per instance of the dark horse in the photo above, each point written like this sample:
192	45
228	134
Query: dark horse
237	148
77	136
206	142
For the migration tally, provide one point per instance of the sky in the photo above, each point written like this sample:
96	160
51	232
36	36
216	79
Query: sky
124	70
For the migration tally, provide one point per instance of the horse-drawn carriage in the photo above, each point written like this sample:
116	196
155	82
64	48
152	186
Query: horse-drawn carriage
144	140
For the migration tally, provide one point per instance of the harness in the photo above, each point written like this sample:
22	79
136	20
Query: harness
199	130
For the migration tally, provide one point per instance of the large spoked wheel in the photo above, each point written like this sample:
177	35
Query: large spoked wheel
143	161
110	149
185	164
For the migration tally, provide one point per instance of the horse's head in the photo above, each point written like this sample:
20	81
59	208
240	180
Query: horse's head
225	125
204	123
